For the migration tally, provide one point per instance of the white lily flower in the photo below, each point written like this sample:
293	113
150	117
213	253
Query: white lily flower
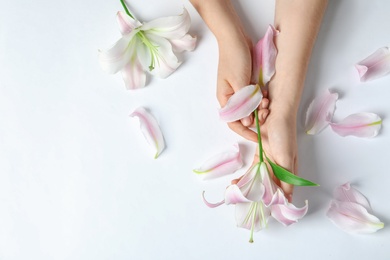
147	46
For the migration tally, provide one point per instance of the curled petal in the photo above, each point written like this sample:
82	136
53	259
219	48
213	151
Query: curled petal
250	184
233	195
361	125
150	129
185	43
241	104
172	27
346	193
221	164
374	66
320	112
269	185
126	23
252	216
165	61
211	205
115	58
285	212
264	56
352	217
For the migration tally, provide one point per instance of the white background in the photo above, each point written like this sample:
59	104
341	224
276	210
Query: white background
78	181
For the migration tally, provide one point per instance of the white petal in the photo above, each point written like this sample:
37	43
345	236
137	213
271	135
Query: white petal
365	125
221	164
375	66
284	212
126	23
233	195
133	75
352	217
320	112
241	104
150	129
347	193
172	27
115	58
250	184
186	43
269	185
252	214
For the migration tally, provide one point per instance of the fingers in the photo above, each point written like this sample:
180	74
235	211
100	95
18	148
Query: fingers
247	121
242	130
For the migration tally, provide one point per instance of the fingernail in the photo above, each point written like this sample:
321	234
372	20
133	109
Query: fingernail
246	121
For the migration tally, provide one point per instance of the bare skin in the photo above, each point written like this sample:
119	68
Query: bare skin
298	22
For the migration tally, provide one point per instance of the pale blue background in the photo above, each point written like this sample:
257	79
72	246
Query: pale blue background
77	180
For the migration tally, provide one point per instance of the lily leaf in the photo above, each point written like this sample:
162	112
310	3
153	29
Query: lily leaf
288	177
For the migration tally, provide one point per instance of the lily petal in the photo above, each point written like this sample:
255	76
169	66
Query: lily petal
150	129
269	185
251	215
374	66
133	74
115	58
126	23
264	56
352	217
221	164
233	195
185	43
250	184
360	125
172	27
211	205
347	193
285	212
166	61
241	104
320	112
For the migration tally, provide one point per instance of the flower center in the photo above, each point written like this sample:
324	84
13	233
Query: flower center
152	48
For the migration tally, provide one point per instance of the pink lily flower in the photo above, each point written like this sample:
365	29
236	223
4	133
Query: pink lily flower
374	66
150	129
350	211
320	112
365	125
241	104
147	46
264	56
221	164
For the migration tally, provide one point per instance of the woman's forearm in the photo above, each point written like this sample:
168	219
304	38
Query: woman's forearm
298	22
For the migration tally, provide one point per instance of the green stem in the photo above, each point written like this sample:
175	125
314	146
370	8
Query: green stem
259	136
126	9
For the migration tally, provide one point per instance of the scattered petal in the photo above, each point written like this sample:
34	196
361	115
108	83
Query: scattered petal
150	129
352	217
374	66
365	125
221	164
241	104
264	56
347	193
284	212
320	113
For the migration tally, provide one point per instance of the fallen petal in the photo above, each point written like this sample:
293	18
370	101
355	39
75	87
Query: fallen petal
126	23
284	212
360	125
264	56
347	193
320	112
374	66
241	104
150	129
221	164
352	217
186	43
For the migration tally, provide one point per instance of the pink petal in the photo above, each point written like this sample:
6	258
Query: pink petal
133	74
221	164
211	205
172	27
374	66
150	129
251	215
241	104
361	125
250	184
264	56
115	58
320	112
269	185
185	43
353	217
285	212
233	195
126	23
346	193
166	61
